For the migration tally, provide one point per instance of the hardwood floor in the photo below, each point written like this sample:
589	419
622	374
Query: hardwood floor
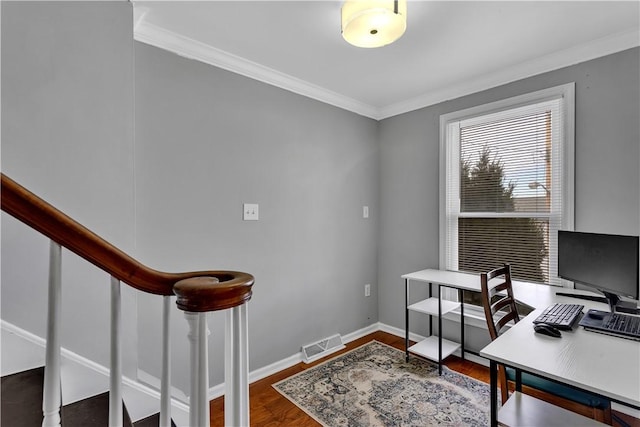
270	408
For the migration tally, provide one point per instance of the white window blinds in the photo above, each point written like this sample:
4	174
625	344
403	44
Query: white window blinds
504	189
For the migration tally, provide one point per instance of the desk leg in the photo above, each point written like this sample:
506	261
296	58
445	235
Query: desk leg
439	330
430	317
406	318
461	298
493	392
518	380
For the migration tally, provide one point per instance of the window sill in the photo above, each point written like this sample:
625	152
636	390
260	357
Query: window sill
473	316
532	295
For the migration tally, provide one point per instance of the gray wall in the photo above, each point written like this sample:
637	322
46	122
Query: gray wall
67	134
606	167
208	141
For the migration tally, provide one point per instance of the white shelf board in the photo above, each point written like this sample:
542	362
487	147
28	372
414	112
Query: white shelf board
429	348
525	410
430	306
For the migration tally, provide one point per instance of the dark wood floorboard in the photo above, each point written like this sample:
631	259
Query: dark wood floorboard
151	421
92	411
22	404
22	399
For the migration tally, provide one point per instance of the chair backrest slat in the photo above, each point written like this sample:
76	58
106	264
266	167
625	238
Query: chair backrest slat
505	303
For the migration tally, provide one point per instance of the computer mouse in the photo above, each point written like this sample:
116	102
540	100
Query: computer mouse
595	314
544	329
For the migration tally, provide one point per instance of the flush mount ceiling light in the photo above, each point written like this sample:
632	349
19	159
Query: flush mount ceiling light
373	23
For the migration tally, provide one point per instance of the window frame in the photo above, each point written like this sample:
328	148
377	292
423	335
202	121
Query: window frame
564	92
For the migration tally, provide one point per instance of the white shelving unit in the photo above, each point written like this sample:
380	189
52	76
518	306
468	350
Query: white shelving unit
430	306
429	347
524	410
435	347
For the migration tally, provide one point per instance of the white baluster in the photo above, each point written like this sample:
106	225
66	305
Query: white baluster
192	319
165	385
203	384
51	399
115	378
199	403
236	378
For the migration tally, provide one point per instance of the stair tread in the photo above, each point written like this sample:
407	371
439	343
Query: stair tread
151	421
22	398
92	411
22	404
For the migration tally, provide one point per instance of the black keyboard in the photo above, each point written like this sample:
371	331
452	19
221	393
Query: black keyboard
623	324
562	316
618	324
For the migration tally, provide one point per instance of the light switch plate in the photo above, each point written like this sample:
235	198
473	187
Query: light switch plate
250	212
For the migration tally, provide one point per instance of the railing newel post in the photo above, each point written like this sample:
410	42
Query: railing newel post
198	399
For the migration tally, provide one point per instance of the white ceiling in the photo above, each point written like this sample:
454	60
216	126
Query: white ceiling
450	48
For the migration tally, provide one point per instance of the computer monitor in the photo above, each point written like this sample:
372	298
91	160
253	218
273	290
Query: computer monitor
606	262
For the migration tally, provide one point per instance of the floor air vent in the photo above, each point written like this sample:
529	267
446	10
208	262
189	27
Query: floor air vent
322	348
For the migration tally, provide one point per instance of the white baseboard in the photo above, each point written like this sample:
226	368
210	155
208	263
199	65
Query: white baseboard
362	332
260	373
153	382
399	332
11	328
415	337
149	384
96	368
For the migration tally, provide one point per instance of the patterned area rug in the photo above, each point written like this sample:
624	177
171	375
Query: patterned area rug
372	385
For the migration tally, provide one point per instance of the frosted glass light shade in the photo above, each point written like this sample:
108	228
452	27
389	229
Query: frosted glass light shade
373	23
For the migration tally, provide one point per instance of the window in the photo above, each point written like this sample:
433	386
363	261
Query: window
507	184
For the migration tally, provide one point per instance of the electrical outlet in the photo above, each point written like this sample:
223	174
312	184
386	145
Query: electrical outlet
365	212
367	290
250	212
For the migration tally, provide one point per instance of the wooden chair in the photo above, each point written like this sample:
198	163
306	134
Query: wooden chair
505	302
499	297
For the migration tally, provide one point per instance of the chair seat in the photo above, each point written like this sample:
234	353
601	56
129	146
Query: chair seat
560	390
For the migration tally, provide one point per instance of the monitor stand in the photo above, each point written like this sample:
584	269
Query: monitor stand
584	297
617	305
627	307
614	301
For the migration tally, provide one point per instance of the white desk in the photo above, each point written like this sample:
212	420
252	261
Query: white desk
602	364
454	279
532	294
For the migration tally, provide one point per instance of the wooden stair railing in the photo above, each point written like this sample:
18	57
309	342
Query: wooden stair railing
197	293
232	289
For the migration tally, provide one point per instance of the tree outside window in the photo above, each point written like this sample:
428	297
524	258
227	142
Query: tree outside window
486	243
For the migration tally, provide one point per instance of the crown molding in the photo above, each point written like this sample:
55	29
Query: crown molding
563	58
193	49
164	39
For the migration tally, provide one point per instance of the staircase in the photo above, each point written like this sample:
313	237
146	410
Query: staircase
22	405
34	396
84	388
